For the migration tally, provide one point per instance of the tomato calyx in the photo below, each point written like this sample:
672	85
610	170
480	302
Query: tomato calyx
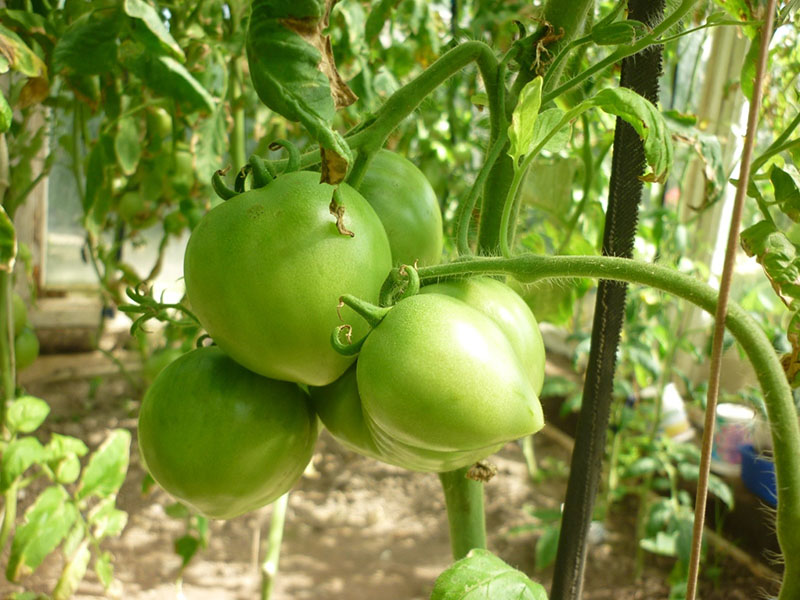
372	314
220	187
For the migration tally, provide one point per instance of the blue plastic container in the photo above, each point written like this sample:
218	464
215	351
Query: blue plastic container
758	474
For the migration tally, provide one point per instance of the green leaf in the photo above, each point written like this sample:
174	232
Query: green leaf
378	15
63	446
95	201
177	510
186	547
6	114
47	521
292	67
127	147
106	520
19	56
663	543
647	121
164	75
19	455
748	73
482	575
138	9
8	242
547	546
106	470
104	569
523	120
683	541
26	413
778	257
545	124
643	466
786	193
89	44
67	470
73	573
74	538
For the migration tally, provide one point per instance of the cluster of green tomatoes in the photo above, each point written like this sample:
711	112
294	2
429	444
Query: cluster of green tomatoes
442	378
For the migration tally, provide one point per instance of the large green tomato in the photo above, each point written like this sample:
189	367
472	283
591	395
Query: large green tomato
221	438
264	272
338	406
509	312
438	375
407	206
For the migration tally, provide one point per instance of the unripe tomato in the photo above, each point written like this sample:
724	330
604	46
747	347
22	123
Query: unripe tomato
264	272
222	439
181	175
407	207
338	406
136	210
26	348
159	124
508	311
436	374
158	360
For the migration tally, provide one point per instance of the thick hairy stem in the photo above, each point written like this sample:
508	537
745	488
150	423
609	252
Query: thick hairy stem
464	500
783	418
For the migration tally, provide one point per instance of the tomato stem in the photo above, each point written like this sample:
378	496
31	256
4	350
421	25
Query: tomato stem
463	498
262	171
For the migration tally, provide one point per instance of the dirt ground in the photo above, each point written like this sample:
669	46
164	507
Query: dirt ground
356	529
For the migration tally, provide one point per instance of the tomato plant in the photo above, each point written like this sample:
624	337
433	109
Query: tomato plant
264	272
221	438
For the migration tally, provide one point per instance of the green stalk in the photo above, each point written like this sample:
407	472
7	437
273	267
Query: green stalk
464	500
269	568
9	514
238	137
622	51
570	16
783	418
405	100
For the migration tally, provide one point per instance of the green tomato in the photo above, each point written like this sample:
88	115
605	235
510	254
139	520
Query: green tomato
222	439
181	174
26	348
438	375
264	272
158	360
20	313
407	207
338	406
137	210
508	311
159	124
